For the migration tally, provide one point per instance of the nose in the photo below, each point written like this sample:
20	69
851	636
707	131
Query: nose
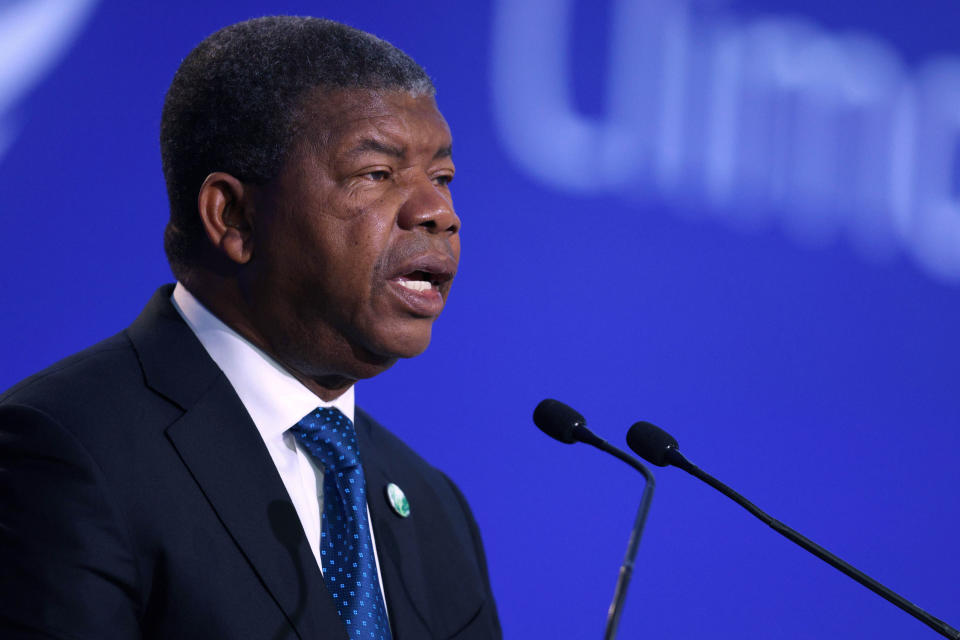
430	207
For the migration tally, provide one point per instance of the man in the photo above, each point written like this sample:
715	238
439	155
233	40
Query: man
205	474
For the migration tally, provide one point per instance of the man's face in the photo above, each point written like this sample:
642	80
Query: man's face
355	243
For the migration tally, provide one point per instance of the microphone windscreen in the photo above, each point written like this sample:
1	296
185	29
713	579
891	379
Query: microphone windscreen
557	420
651	443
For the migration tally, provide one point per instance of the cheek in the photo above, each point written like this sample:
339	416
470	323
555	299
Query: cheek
365	244
353	271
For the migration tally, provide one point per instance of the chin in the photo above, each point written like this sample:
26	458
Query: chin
404	344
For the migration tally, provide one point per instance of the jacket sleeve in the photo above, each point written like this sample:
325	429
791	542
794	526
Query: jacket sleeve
68	570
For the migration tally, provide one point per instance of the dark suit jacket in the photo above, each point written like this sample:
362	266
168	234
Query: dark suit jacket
138	500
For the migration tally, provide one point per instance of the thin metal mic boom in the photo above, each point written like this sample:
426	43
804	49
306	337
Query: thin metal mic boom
658	447
563	423
626	569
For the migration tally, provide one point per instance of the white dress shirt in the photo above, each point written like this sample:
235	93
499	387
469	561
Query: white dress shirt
275	401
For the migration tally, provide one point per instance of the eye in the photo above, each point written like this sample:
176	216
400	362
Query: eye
443	179
379	175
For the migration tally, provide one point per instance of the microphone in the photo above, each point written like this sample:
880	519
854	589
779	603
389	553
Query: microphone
658	447
565	424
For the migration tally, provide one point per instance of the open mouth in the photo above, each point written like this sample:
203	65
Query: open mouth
421	283
421	280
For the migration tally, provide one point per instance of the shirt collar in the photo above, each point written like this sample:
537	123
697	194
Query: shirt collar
274	399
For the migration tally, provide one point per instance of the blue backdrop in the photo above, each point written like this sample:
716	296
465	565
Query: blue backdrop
739	220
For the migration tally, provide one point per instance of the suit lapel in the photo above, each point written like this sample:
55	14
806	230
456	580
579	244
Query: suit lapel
218	442
398	539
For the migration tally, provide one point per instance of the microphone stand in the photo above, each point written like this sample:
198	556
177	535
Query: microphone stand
626	569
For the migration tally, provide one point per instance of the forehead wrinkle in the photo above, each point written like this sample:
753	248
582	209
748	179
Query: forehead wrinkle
349	130
377	146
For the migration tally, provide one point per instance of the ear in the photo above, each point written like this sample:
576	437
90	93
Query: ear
226	211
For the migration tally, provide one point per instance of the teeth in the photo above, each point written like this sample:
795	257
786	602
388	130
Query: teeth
416	285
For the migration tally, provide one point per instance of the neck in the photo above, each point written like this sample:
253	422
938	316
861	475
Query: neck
222	298
327	389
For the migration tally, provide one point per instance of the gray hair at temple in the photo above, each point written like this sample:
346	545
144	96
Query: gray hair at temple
234	101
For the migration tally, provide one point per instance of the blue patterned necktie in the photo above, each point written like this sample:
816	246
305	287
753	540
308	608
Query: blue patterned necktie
346	548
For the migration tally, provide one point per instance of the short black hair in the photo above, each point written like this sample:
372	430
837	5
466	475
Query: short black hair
233	103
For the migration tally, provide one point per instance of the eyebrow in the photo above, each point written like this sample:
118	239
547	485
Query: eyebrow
369	144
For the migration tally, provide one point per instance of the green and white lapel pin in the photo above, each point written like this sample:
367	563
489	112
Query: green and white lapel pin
398	500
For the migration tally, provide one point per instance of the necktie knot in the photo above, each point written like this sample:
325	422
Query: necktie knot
329	437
